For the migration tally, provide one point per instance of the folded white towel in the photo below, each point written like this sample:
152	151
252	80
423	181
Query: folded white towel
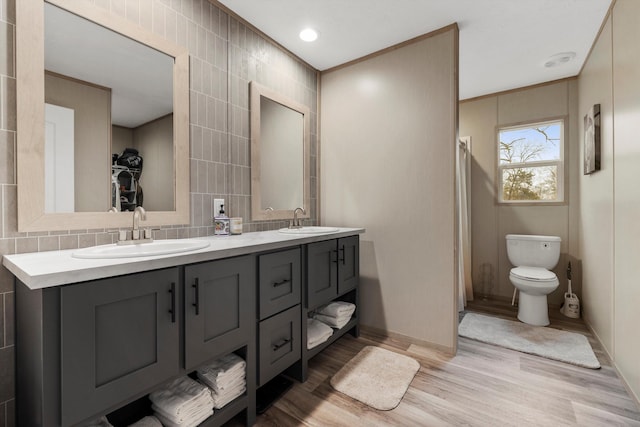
334	322
194	413
182	397
337	309
221	400
221	386
98	422
224	368
317	333
192	422
149	421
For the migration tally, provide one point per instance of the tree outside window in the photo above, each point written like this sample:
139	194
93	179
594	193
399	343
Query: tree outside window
531	162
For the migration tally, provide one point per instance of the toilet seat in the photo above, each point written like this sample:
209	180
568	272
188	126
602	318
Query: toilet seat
534	274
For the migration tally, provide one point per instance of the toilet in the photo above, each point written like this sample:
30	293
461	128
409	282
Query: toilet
533	258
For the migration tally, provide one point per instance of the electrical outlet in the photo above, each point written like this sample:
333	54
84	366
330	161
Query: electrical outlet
216	206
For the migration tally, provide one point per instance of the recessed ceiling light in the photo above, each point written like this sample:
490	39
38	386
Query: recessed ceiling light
559	59
308	34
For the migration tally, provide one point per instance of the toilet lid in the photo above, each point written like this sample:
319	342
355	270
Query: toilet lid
533	273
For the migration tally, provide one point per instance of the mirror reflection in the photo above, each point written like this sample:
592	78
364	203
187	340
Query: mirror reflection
108	119
280	159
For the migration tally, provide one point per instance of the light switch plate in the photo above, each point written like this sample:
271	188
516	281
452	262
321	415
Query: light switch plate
216	206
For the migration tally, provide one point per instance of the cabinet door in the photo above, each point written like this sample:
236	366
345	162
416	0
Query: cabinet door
219	307
280	343
348	263
322	273
279	280
119	337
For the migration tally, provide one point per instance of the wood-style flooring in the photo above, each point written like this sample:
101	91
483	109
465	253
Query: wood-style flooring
483	385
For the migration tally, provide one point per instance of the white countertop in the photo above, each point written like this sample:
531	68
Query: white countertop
46	269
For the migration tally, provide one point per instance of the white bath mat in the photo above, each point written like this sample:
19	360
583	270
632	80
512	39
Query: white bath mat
551	343
376	377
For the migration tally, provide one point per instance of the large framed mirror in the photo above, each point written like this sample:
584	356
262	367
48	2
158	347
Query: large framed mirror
280	156
102	112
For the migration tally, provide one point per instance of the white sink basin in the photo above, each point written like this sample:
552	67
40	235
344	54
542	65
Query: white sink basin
309	230
157	247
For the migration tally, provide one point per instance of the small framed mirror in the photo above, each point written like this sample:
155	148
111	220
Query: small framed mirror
280	159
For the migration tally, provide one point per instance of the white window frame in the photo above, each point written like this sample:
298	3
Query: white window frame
560	175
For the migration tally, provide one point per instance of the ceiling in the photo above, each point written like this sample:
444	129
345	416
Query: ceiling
504	44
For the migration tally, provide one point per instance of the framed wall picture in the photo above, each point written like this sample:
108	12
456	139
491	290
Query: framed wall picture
592	140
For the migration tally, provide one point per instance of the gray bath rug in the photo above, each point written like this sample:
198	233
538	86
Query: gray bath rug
551	343
376	377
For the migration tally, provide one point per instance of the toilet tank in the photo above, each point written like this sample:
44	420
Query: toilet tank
533	251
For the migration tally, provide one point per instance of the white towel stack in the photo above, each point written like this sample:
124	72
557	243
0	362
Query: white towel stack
317	333
226	377
149	421
335	314
183	402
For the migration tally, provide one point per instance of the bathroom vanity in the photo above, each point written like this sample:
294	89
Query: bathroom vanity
95	336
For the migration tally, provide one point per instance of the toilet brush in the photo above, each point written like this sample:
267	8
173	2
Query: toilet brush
571	305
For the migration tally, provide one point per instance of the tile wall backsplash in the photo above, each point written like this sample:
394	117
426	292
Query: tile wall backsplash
225	56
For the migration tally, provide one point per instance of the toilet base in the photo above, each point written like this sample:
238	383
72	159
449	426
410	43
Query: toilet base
533	309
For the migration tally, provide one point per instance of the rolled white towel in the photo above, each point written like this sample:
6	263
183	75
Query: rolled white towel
337	309
317	333
334	322
148	421
191	422
182	396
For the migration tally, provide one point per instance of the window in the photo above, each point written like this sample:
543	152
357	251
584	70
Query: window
530	167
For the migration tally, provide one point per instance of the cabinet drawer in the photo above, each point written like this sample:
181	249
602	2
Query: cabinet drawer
279	284
119	336
280	344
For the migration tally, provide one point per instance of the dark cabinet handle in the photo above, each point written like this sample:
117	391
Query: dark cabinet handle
196	304
343	257
277	347
280	283
172	291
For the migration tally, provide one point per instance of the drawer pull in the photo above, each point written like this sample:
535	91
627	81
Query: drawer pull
277	347
196	304
343	257
172	291
280	283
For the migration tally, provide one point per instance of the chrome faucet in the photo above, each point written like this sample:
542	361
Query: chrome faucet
296	223
138	214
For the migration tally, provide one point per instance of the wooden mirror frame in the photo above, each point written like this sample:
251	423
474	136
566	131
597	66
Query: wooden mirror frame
30	121
257	213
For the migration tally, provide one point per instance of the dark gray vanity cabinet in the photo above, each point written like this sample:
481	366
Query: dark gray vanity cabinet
332	269
279	312
84	349
219	307
118	337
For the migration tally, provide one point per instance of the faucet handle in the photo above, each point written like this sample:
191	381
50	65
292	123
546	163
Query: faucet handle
148	233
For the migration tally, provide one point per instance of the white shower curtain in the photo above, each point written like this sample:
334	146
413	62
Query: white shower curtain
463	177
